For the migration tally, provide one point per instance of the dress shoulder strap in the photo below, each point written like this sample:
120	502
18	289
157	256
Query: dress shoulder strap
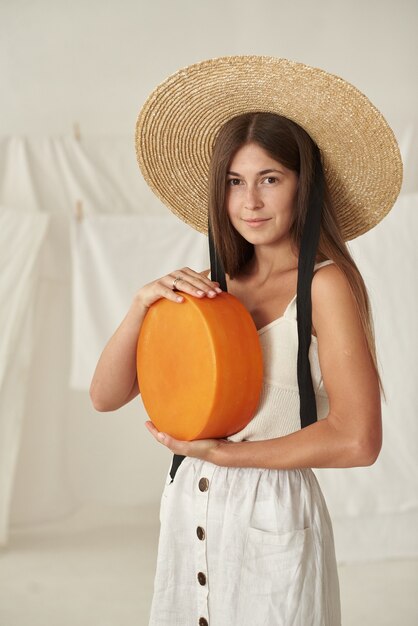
322	264
290	311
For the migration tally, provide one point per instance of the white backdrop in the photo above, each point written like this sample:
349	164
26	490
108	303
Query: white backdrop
94	66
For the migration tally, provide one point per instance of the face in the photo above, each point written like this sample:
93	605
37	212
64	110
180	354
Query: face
261	195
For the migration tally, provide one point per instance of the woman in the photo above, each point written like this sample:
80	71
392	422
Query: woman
245	533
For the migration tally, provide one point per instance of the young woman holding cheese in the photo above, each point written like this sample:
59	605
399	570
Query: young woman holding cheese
245	532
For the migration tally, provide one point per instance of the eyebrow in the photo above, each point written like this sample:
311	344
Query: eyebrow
261	173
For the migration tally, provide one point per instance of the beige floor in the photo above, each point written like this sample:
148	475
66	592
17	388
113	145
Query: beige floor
96	569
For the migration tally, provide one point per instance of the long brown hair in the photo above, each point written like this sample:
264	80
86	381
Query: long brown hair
286	142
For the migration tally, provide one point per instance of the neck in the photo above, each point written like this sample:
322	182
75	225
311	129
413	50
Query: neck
272	260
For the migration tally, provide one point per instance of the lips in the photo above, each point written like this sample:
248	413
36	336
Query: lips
256	221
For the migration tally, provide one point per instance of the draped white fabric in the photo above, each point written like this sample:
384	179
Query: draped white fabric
68	454
112	258
21	237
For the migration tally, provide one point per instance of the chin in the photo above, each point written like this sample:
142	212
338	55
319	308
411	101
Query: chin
258	235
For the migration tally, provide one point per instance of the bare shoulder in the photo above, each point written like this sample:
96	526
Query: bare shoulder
334	304
334	307
330	284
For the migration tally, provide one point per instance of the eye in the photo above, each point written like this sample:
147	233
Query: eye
233	182
270	179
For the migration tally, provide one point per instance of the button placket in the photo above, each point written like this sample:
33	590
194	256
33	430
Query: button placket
202	580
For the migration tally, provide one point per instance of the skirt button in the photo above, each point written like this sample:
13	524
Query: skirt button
200	533
203	484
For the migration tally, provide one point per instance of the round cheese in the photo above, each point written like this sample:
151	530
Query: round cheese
199	366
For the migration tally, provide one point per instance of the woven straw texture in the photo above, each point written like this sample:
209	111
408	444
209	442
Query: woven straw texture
178	124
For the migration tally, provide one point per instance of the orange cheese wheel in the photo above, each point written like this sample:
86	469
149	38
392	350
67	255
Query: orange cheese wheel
199	366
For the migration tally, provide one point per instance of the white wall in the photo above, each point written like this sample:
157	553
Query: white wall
95	61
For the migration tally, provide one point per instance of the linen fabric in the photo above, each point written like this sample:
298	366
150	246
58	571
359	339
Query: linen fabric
280	391
250	546
21	239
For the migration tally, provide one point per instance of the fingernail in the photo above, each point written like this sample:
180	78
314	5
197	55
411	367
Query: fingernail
161	436
199	293
218	290
179	299
212	293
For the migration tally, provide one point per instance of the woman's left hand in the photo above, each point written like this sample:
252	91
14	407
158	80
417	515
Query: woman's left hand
200	448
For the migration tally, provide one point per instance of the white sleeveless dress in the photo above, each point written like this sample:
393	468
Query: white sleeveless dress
250	546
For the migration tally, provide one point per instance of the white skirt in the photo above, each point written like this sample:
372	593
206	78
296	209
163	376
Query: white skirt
244	547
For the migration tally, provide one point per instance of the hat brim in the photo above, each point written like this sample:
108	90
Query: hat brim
179	122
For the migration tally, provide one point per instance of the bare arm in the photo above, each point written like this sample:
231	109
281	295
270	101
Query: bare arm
351	433
114	382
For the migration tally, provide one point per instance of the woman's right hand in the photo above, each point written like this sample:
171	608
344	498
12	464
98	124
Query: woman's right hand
187	280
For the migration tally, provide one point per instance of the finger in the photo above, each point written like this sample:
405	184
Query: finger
192	284
152	429
158	436
203	276
196	277
161	437
167	292
175	445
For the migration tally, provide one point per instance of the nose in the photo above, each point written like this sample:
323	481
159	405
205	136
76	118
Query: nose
252	199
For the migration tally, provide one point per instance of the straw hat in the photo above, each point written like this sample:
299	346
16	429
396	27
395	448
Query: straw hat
179	122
